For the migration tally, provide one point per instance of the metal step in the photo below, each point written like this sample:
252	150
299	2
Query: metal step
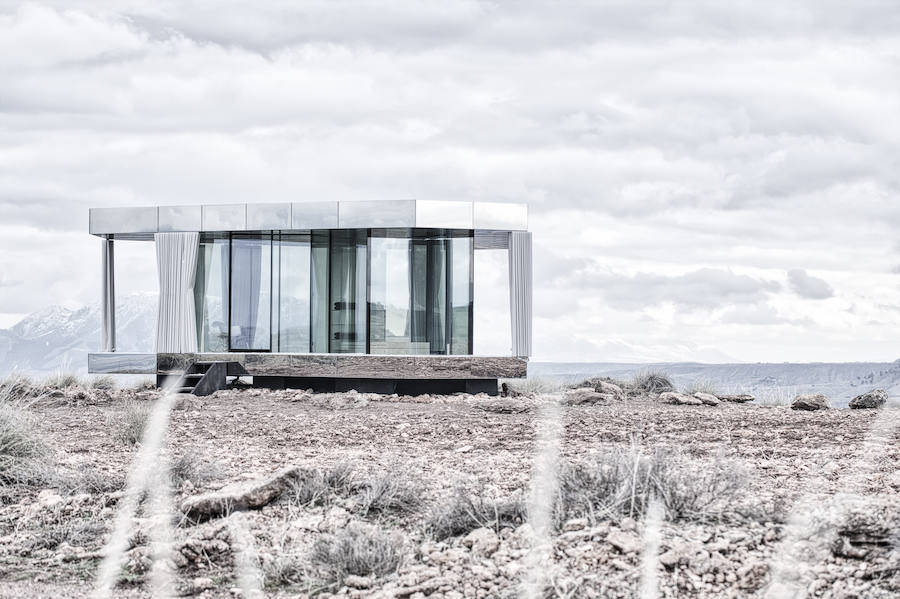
184	390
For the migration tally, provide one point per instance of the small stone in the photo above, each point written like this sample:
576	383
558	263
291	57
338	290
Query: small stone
707	398
737	398
482	541
359	582
625	542
575	524
201	583
679	399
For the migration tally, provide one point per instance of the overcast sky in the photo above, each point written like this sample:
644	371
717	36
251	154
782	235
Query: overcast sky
706	180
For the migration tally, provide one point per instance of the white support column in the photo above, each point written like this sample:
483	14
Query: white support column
108	297
520	290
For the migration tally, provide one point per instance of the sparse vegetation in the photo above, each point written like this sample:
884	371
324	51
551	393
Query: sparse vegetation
191	466
533	384
105	383
463	512
622	483
129	423
652	382
321	486
21	448
63	380
89	479
358	550
389	492
702	386
15	388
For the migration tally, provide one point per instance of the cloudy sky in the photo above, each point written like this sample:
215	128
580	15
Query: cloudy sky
707	180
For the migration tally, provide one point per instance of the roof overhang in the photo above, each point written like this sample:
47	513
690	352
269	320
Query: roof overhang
143	222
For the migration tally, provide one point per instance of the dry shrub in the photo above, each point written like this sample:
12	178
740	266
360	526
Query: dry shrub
104	383
91	480
390	492
128	424
16	388
191	466
357	550
463	512
321	486
702	386
622	483
63	380
652	382
533	384
22	451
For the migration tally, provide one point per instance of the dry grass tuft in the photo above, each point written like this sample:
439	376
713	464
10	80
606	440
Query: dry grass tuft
22	451
321	486
622	483
463	512
390	492
104	383
192	466
63	380
702	386
91	480
16	388
652	382
128	424
357	550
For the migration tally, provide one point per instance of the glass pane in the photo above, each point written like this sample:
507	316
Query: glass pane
319	249
436	303
251	289
348	291
389	304
293	294
211	294
460	294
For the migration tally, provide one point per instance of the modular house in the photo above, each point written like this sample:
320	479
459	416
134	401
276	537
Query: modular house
373	296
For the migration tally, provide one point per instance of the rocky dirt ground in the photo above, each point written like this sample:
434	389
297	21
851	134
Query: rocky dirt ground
372	496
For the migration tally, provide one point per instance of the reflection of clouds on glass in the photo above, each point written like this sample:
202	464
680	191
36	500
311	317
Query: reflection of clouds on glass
492	334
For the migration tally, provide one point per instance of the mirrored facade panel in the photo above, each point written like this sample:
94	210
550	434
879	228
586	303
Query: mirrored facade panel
314	215
496	215
460	296
225	217
251	293
268	217
122	220
389	213
458	215
180	218
211	292
319	249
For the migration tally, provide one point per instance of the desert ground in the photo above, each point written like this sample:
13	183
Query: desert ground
598	492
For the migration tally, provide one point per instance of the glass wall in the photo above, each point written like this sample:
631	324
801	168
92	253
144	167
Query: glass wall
420	291
251	293
379	291
211	293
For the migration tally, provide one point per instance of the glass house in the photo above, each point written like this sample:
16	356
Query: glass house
336	295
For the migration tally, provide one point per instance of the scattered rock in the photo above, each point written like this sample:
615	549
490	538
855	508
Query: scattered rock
482	541
812	402
872	400
737	398
707	398
585	395
626	542
611	388
238	497
359	582
679	399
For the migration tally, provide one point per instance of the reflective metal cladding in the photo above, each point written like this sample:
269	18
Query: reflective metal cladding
143	222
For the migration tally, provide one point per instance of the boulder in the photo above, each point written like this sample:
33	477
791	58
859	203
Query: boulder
872	400
680	399
812	402
238	497
707	398
611	388
737	398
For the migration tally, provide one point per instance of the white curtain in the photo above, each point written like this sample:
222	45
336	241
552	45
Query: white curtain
520	285
176	322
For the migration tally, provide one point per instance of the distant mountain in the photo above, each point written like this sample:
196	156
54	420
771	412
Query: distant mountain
57	338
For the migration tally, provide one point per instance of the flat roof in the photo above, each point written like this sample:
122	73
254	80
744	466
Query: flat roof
143	222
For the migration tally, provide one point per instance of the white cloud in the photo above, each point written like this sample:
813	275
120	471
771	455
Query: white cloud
808	286
678	158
